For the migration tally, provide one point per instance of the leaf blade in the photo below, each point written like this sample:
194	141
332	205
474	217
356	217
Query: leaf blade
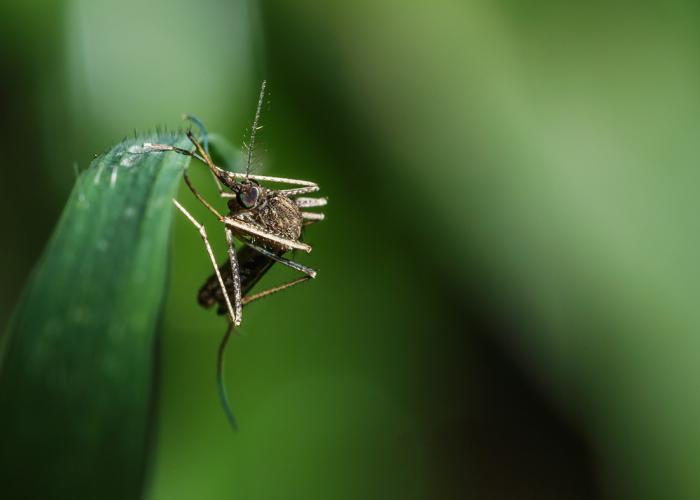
77	379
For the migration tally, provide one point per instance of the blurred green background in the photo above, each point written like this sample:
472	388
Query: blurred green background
507	298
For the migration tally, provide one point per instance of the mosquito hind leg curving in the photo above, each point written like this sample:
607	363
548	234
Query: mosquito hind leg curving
220	378
203	233
200	197
304	202
312	216
289	263
235	276
266	293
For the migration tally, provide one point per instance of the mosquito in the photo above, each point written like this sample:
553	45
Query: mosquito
268	222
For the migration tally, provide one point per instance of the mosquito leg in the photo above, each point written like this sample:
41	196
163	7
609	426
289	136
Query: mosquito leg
166	147
149	147
218	172
224	175
206	159
302	202
218	184
289	263
282	180
200	197
267	178
202	129
250	298
235	276
205	140
203	233
309	223
220	378
201	156
298	191
312	216
255	232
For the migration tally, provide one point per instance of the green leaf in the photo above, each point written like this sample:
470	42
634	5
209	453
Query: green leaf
78	373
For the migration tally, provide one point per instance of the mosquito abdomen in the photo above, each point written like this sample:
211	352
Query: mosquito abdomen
252	266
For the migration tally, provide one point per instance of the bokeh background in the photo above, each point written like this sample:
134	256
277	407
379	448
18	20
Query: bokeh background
507	303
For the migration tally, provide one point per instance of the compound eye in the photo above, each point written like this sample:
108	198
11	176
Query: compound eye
248	198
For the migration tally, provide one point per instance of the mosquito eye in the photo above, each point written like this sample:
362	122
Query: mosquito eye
249	197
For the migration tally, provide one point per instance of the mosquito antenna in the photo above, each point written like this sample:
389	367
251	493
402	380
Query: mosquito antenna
251	144
220	379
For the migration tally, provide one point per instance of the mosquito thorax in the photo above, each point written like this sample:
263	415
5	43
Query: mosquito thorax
274	213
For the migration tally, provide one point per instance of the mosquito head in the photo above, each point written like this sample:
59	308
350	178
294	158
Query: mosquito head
248	194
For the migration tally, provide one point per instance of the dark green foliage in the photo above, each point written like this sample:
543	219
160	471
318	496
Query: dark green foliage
79	363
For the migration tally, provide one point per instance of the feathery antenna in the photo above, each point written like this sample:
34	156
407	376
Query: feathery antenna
251	144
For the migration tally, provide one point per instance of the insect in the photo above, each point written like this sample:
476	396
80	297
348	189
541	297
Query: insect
268	222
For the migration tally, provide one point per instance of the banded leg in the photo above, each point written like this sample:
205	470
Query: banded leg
203	233
204	159
289	263
200	197
265	293
312	216
254	231
305	202
298	191
235	276
200	154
